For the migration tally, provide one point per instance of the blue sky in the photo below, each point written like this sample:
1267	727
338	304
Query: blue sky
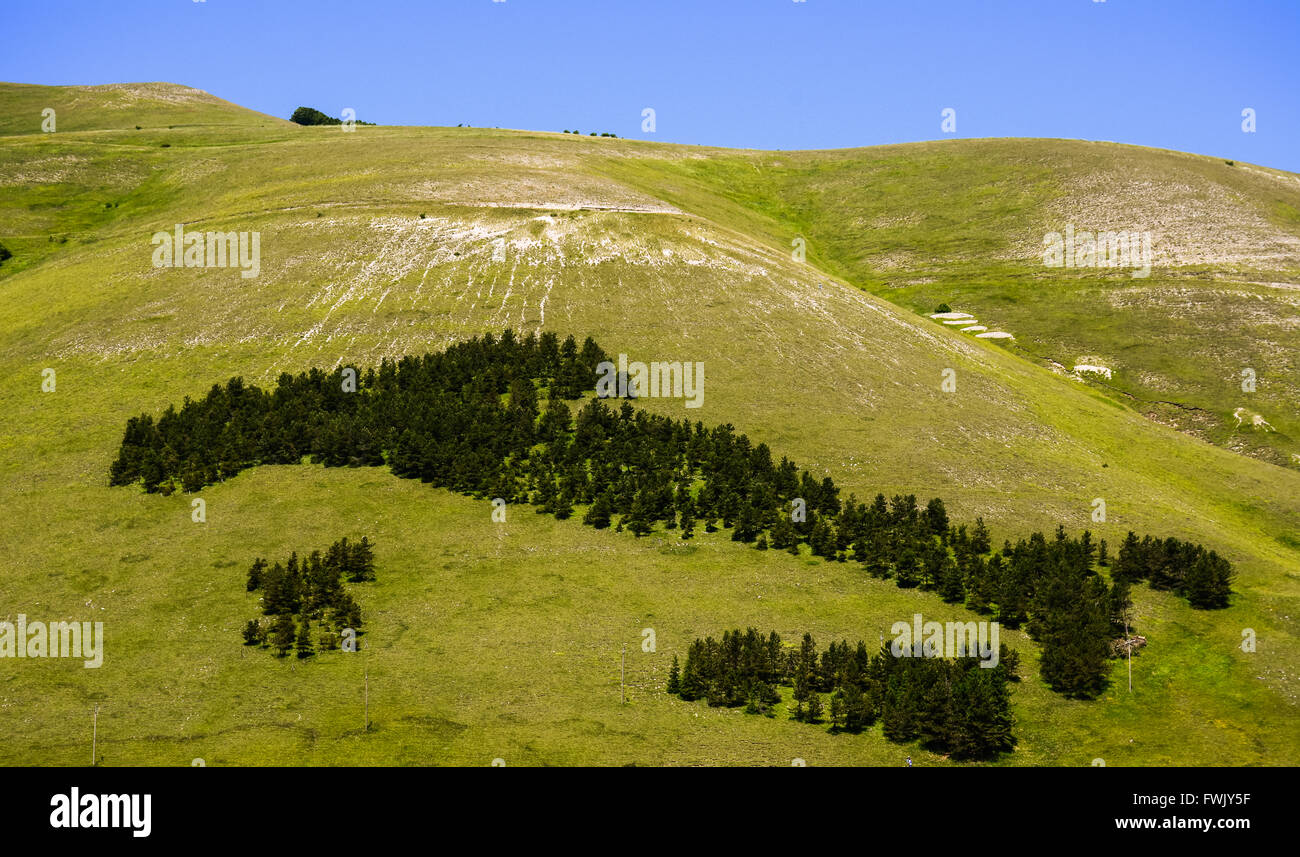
770	74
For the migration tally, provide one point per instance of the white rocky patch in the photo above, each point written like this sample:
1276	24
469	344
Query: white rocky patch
1095	370
1257	421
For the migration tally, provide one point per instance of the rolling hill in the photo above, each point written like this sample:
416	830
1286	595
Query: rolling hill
503	641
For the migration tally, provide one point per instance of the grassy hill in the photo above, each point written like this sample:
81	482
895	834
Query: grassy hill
963	222
502	641
121	107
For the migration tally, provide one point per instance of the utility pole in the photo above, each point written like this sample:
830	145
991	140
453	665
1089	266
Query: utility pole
622	674
94	736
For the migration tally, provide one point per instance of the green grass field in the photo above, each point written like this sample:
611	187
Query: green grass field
503	640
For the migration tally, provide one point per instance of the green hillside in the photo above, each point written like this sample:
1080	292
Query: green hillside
120	107
962	223
503	641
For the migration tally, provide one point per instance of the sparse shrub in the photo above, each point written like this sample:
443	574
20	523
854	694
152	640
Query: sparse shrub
5	254
943	308
137	127
1231	163
166	145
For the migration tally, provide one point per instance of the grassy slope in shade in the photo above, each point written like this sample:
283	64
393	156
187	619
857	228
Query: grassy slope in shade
502	641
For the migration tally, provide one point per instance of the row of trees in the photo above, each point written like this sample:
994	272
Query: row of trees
1202	577
471	419
312	116
951	705
297	593
439	417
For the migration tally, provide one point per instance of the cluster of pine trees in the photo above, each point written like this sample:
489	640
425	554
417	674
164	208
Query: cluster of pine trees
1202	577
312	116
951	705
297	593
470	419
439	418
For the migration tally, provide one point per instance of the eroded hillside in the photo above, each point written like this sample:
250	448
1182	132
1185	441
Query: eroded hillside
388	241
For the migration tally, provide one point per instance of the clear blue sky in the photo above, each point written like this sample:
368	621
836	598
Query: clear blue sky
772	74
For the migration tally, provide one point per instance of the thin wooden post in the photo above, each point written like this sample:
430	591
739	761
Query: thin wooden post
94	737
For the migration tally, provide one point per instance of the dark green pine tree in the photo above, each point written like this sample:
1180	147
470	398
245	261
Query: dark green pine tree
255	574
783	534
979	592
814	708
639	520
283	634
822	540
1009	662
898	706
747	525
275	591
982	709
937	715
1207	581
857	709
674	678
327	639
363	560
692	685
303	641
291	594
980	542
1130	563
877	563
1011	587
563	507
688	523
599	514
907	572
252	633
951	587
837	710
937	516
1223	577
